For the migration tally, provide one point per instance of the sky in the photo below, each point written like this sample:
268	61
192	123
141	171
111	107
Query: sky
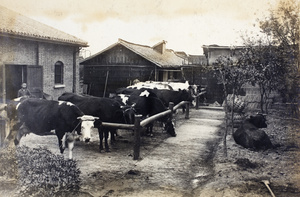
186	25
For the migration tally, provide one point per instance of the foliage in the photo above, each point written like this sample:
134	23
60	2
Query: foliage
39	171
264	67
231	75
283	24
273	59
9	163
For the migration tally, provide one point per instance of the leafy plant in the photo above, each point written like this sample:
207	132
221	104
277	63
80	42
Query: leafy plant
232	76
40	171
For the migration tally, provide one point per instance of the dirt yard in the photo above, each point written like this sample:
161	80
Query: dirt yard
191	164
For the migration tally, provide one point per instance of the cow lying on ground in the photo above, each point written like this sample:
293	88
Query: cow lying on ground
108	110
250	136
146	103
40	116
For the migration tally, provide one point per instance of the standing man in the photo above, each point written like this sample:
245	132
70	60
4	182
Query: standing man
24	92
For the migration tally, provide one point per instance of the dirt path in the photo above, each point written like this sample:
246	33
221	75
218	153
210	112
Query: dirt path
168	166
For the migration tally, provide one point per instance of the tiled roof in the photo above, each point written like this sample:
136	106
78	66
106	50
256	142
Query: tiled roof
16	25
167	59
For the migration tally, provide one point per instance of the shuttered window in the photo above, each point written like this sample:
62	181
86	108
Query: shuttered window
59	73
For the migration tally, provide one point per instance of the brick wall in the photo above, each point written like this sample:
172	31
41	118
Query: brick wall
49	55
23	52
14	51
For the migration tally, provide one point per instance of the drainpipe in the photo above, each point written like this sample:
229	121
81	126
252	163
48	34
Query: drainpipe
3	83
37	53
74	69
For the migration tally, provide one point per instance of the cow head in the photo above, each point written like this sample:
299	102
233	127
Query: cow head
17	131
128	113
87	123
259	120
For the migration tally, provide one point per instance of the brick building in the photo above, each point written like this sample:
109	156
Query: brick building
43	57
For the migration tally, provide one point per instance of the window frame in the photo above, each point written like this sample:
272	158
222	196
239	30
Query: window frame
59	73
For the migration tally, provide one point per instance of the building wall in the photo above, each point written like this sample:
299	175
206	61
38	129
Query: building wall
115	68
14	51
49	55
24	52
108	78
213	53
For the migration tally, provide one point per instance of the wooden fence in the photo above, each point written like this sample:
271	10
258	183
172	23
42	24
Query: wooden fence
136	126
139	124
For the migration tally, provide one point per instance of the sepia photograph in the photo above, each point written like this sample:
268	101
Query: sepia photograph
149	98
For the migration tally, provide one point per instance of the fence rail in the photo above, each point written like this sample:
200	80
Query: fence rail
139	124
136	126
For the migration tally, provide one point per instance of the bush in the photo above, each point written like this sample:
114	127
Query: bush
39	171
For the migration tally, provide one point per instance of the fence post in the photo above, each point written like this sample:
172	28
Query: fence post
171	106
137	137
197	102
187	110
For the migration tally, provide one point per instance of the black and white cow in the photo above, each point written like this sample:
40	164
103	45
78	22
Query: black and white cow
107	109
166	91
167	96
249	134
146	103
40	116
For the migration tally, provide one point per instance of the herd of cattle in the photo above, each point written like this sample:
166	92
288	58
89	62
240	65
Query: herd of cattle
74	113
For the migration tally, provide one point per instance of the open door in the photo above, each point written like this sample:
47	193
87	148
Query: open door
15	75
35	80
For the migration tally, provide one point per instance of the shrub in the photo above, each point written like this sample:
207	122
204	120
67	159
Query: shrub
39	171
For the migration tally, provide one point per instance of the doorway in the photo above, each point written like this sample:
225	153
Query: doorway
15	75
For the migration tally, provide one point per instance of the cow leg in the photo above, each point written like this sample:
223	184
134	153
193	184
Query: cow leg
106	133
71	146
62	143
150	129
113	133
183	109
100	131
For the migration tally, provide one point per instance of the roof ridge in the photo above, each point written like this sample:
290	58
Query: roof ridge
121	40
167	60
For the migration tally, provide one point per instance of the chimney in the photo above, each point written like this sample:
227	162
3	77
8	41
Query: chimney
160	47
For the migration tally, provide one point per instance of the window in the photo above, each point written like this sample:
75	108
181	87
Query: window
59	73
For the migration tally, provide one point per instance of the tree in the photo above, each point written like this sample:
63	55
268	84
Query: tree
232	77
283	28
272	60
264	67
